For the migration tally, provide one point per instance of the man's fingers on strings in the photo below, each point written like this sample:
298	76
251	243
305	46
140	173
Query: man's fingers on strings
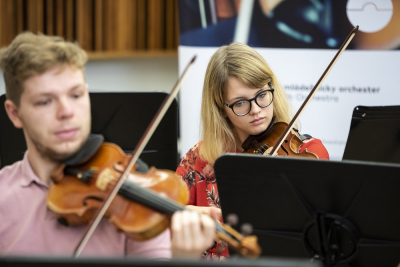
188	230
176	226
215	213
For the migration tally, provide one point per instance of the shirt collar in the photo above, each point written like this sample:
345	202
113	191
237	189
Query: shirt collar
28	176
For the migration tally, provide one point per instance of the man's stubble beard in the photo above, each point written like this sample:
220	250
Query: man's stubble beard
50	154
46	152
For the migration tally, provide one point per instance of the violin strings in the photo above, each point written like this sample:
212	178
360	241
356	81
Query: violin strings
143	196
158	203
152	199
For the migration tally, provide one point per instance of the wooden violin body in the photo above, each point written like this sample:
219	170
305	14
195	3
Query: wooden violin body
76	196
262	144
143	206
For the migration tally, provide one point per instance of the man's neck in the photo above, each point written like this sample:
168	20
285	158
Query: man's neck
42	167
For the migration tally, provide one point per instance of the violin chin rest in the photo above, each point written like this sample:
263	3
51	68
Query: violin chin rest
247	143
92	144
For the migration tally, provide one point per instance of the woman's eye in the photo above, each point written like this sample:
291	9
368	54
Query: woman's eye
262	95
239	104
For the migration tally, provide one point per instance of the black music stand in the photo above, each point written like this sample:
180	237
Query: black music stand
13	261
121	118
374	134
339	212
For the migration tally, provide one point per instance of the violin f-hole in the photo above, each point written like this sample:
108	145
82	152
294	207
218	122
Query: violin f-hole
85	200
284	149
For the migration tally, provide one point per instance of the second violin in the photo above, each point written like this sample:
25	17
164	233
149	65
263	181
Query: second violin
263	143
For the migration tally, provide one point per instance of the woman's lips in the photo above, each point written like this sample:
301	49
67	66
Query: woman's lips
257	121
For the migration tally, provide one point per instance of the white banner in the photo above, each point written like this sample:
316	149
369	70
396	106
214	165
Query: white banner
369	78
367	73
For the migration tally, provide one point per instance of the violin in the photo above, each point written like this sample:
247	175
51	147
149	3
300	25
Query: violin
101	182
143	207
264	143
279	139
79	190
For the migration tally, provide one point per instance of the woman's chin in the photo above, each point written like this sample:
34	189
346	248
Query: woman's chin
258	129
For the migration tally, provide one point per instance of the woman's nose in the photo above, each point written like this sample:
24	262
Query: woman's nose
254	108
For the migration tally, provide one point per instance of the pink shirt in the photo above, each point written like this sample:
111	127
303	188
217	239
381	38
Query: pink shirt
28	227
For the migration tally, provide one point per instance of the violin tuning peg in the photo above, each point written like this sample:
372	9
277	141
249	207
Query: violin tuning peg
232	219
246	229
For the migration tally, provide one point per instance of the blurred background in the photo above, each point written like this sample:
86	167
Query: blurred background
132	44
142	45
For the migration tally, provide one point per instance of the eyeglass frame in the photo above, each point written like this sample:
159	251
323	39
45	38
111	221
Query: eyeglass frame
250	100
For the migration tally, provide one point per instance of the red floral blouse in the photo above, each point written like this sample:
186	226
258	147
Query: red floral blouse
200	180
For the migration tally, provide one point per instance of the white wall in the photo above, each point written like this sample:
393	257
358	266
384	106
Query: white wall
138	74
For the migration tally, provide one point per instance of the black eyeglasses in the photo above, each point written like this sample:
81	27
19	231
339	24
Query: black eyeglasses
243	106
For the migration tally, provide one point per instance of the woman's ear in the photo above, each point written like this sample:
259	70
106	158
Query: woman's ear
12	112
224	114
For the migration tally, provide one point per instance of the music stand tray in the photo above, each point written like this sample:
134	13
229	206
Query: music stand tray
374	134
50	261
342	213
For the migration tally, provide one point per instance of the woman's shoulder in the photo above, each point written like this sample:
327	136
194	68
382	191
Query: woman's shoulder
191	158
194	150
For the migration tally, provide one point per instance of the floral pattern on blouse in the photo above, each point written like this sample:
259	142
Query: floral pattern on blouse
200	180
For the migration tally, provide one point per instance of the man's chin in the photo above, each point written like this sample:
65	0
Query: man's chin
64	152
59	155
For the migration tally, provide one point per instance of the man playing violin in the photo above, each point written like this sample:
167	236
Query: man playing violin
48	98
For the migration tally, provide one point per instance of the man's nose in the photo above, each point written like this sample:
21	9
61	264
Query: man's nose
65	109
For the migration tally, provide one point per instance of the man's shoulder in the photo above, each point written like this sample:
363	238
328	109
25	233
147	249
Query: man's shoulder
10	187
8	173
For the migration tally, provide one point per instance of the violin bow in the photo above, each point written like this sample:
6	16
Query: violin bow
346	42
135	155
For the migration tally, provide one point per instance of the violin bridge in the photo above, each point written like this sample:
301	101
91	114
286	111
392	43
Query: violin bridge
268	151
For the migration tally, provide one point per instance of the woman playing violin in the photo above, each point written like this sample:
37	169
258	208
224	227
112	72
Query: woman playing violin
241	95
47	97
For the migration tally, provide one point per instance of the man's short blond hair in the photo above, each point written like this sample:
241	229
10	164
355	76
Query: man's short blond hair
32	54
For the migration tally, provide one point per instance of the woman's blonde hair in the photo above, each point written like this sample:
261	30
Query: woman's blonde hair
30	54
243	62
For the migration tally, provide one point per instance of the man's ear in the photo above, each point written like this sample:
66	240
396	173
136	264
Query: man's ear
12	112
